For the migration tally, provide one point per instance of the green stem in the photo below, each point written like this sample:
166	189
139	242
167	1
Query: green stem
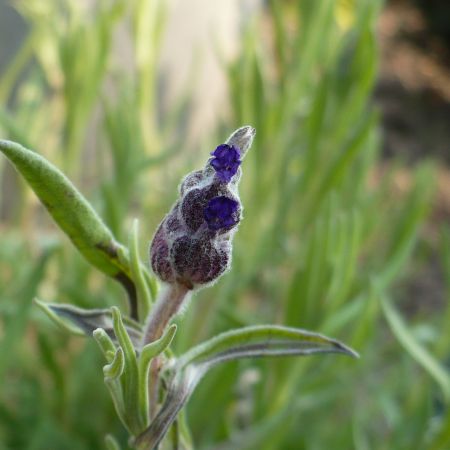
166	307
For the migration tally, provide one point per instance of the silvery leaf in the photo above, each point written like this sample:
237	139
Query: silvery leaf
253	341
85	321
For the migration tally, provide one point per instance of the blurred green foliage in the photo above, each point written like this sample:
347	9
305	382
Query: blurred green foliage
325	244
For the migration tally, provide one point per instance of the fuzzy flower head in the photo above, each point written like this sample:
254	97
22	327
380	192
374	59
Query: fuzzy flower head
192	245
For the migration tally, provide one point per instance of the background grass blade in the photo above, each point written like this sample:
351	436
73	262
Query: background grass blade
415	349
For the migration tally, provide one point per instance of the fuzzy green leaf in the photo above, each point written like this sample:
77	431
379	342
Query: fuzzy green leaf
148	352
155	348
73	214
261	340
105	343
142	288
130	378
114	369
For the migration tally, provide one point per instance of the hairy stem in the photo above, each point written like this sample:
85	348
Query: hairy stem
165	308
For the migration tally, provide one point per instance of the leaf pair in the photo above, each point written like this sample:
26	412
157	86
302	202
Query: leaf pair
126	374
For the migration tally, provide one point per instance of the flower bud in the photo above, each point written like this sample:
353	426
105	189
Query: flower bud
192	245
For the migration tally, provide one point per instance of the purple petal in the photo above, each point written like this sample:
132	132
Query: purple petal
221	212
226	161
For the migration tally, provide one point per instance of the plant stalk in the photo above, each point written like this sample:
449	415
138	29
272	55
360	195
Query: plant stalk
166	307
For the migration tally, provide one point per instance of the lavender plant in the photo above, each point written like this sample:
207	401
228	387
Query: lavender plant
327	242
191	249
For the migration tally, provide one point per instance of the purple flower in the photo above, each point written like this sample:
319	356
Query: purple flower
221	212
226	161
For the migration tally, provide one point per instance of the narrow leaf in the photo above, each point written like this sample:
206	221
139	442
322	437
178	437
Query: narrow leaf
254	341
155	348
85	321
73	214
57	320
148	352
143	291
261	340
114	369
115	390
112	372
130	378
105	343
